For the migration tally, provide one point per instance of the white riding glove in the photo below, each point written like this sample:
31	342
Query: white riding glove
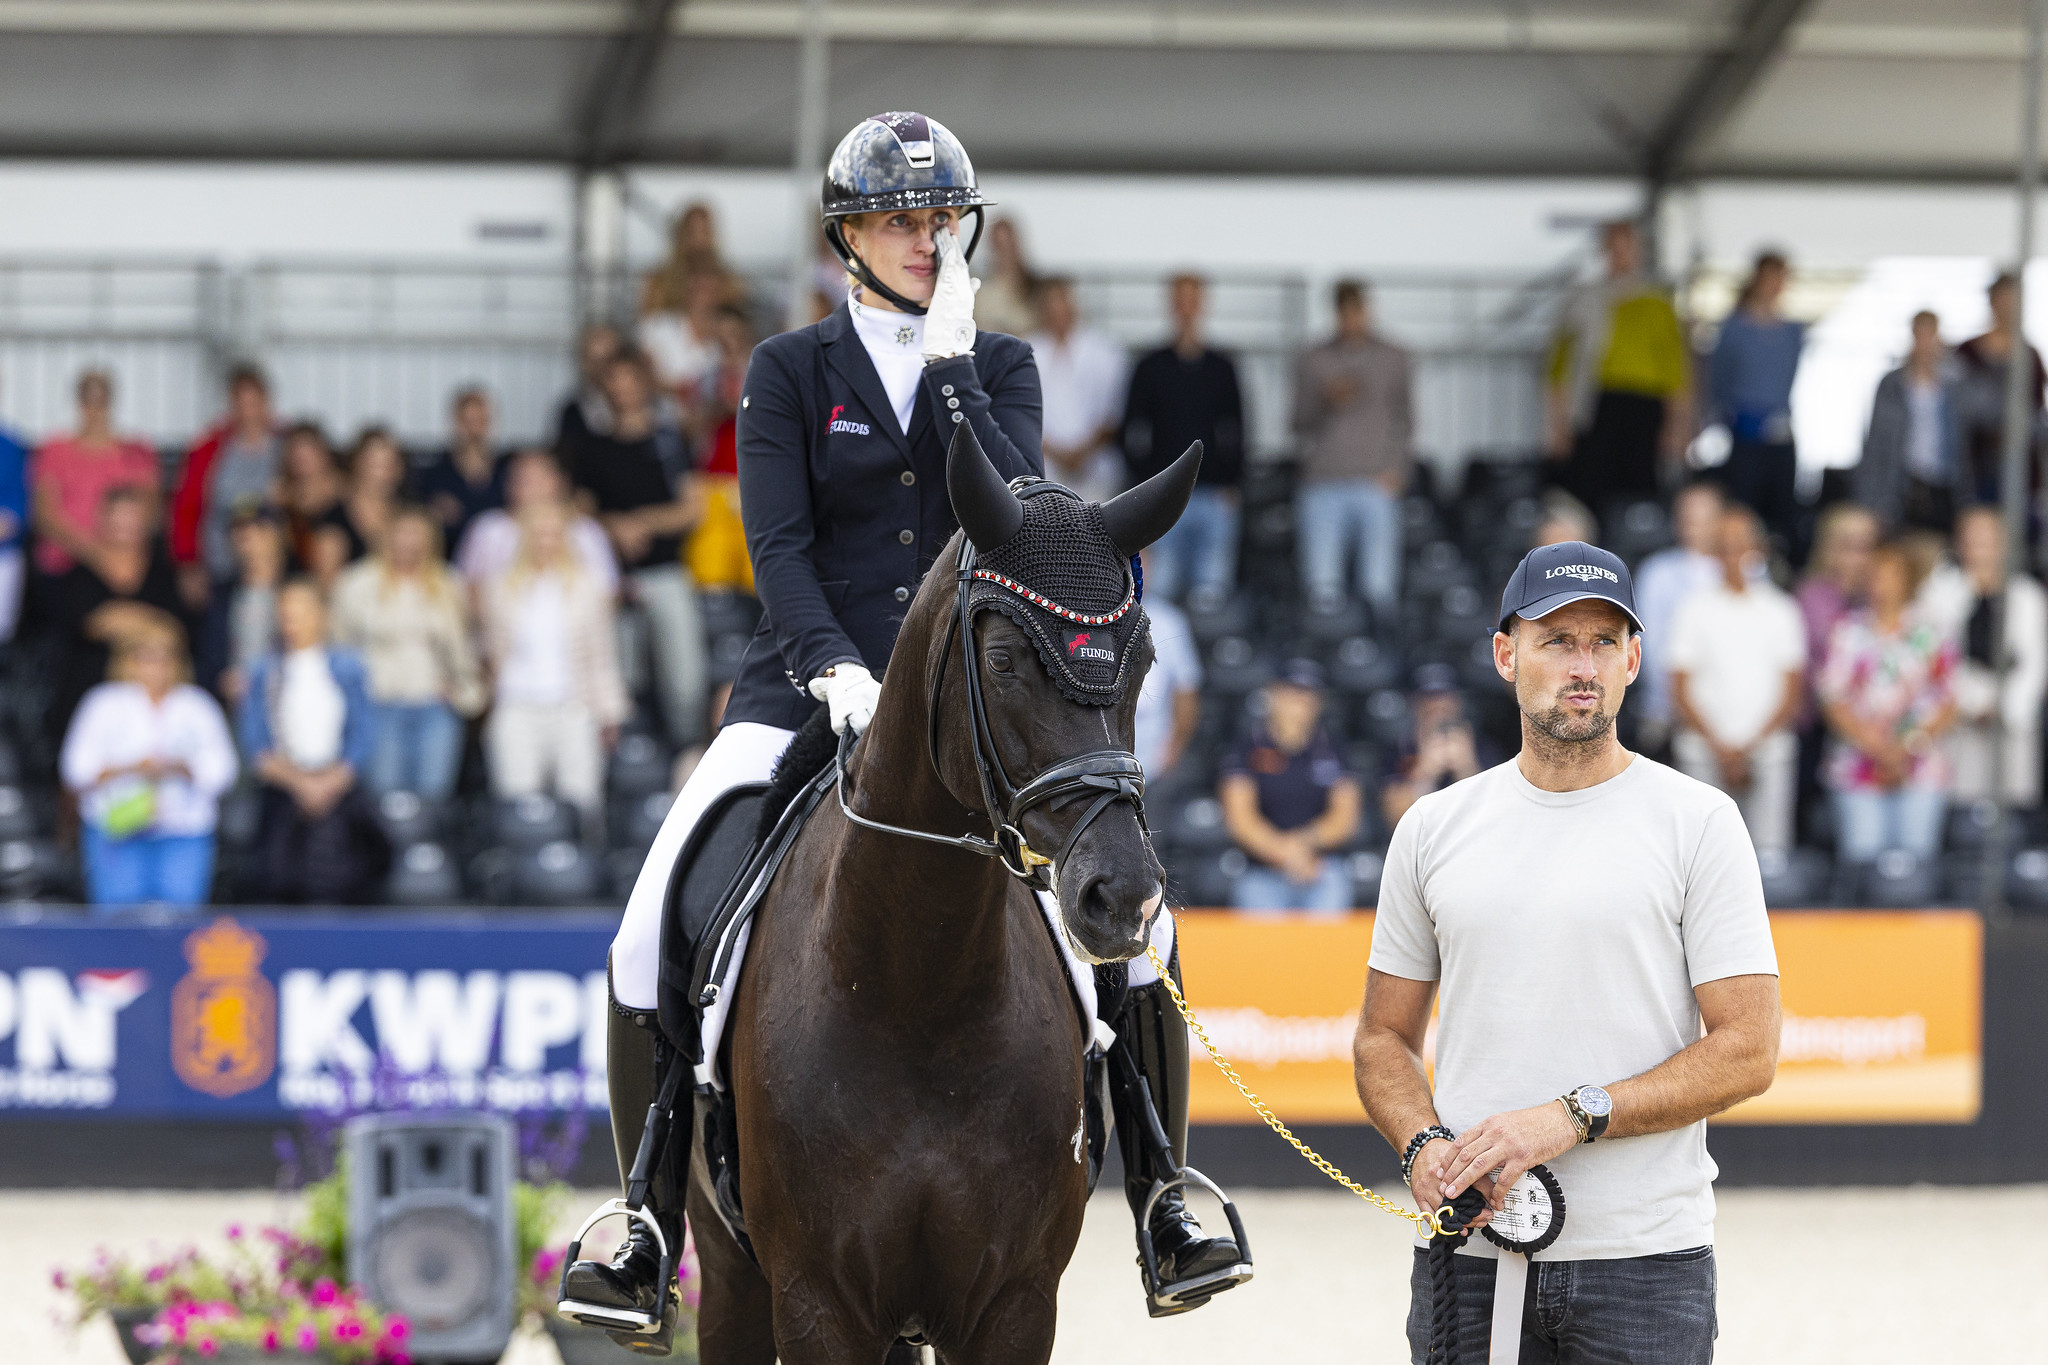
850	692
949	318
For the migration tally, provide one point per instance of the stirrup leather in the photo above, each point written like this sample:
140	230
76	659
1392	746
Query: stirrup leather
1181	1296
611	1317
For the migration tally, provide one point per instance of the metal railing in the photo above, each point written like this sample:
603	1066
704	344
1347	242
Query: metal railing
351	343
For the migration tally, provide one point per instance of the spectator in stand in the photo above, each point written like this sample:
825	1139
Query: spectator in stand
692	251
1289	802
1441	747
1620	381
309	491
232	469
13	528
402	610
1182	393
680	340
1962	597
533	478
466	479
377	476
1082	382
583	412
241	616
1564	518
1978	392
547	625
1737	660
1170	701
148	756
638	482
1837	577
1663	583
1353	410
1912	451
123	583
306	729
716	550
72	475
1749	385
1888	686
1006	300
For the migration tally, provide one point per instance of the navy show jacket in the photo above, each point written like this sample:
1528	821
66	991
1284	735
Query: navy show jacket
843	511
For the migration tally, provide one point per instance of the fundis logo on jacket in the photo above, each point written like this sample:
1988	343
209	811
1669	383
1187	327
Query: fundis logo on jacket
841	425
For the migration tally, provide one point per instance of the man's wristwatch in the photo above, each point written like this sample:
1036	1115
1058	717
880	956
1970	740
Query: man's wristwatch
1590	1108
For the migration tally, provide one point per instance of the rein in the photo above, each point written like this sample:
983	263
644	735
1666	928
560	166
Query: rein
1106	774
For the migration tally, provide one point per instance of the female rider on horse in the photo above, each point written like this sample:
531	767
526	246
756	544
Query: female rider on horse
843	430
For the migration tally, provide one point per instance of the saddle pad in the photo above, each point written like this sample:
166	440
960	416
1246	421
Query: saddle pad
711	860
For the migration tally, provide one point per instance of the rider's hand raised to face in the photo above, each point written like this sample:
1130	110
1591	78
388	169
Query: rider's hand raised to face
949	318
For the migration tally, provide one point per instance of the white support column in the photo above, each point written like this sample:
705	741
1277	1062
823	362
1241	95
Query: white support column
807	163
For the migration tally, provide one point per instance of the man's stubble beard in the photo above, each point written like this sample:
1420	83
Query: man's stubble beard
1562	727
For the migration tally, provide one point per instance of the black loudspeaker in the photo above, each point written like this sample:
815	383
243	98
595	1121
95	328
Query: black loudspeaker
430	1227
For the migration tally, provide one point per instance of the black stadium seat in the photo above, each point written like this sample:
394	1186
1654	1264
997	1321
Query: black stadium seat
635	823
559	873
408	818
1793	879
1897	880
1234	668
1362	665
423	874
527	822
639	766
17	815
2026	880
1197	825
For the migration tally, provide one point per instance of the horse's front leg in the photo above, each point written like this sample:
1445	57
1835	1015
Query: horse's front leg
735	1321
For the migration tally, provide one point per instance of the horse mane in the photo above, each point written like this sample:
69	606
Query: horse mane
808	754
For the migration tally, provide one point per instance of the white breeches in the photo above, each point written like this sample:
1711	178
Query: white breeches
744	751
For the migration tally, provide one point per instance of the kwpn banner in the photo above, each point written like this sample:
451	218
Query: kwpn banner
1883	1016
261	1016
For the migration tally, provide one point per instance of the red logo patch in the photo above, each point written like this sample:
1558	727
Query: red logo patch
1077	642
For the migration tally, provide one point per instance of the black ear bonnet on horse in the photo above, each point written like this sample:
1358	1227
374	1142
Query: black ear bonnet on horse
1064	580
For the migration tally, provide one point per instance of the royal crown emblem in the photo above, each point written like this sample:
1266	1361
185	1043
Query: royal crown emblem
224	1012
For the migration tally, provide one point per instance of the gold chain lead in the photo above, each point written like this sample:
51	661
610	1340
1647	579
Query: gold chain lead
1426	1223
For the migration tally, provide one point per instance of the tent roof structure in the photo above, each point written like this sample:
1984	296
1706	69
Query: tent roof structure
1665	90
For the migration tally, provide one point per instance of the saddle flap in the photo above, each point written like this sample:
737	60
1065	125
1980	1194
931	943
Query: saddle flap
711	861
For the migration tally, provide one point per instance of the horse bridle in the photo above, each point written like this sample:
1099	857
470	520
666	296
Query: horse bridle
1106	774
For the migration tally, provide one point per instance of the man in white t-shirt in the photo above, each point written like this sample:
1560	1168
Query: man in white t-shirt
1608	983
1738	663
1667	578
1081	382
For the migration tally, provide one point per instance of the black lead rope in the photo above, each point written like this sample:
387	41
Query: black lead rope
1443	1278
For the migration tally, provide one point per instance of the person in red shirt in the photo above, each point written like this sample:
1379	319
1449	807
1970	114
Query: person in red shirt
231	468
71	476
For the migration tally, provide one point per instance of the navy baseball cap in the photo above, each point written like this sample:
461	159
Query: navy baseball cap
1305	674
1553	576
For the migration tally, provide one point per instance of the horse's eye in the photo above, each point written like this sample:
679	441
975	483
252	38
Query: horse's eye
999	660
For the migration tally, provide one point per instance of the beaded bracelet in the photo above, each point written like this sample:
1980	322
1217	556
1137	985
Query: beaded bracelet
1417	1143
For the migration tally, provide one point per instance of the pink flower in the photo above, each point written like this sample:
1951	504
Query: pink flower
234	1232
156	1273
57	1279
207	1347
324	1292
397	1329
309	1340
348	1329
270	1339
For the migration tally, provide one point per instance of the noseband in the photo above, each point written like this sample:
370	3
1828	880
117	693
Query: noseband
1105	774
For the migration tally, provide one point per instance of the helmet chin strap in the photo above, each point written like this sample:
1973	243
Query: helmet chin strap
858	268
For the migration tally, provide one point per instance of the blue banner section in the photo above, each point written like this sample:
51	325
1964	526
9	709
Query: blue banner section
265	1015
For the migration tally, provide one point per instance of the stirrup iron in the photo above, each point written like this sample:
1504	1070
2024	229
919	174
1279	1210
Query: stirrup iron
1181	1296
608	1316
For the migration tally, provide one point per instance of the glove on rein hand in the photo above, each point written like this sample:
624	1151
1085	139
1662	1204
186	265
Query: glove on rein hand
949	319
850	692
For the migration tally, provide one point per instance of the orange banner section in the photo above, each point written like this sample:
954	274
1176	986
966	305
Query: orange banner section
1883	1016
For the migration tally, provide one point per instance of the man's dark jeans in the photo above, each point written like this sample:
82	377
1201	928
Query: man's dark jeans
1641	1310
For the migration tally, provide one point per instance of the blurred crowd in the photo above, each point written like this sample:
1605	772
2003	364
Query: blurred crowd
273	668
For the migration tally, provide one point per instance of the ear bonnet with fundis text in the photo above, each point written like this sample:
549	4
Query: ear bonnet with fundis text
1060	567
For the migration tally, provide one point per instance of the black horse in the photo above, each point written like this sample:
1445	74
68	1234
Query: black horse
905	1055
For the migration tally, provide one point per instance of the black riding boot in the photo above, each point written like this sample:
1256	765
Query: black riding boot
1193	1267
630	1297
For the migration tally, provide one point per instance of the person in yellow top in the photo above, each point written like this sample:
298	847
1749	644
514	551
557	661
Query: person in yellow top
1620	381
